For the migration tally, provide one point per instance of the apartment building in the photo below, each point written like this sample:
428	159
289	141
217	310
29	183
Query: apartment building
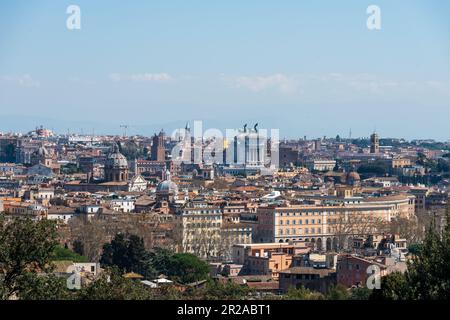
19	208
328	227
199	230
264	258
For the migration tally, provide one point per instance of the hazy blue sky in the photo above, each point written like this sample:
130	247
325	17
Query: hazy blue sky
306	67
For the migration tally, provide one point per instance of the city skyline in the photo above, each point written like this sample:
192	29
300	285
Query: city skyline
309	69
123	131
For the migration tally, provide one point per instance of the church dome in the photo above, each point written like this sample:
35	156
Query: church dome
167	186
353	176
350	178
116	160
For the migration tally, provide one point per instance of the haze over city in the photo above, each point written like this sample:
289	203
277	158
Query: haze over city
309	69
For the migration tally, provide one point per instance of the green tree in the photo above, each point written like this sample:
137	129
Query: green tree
428	274
442	166
217	290
360	293
302	294
414	248
429	271
63	254
186	268
161	260
128	254
26	247
78	247
111	285
181	267
378	168
172	293
421	159
338	292
43	287
394	286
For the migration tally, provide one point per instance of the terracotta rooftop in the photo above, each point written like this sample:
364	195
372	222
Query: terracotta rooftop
271	285
308	270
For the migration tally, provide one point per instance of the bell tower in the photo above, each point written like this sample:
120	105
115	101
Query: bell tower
374	143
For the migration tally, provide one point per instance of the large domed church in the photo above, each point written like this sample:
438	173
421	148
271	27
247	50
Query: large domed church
116	177
116	166
166	190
